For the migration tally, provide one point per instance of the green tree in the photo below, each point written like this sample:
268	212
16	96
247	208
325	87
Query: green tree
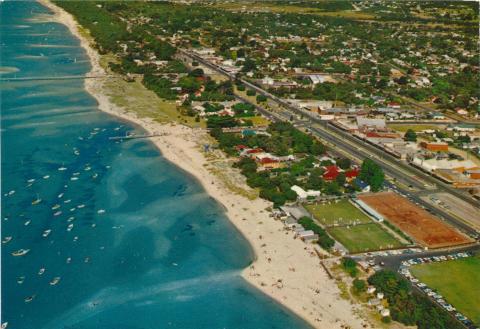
411	135
261	98
344	163
350	266
372	174
359	286
341	179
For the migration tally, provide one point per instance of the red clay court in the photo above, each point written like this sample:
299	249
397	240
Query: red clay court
422	226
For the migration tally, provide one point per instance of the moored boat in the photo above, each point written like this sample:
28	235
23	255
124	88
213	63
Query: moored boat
29	298
55	280
20	252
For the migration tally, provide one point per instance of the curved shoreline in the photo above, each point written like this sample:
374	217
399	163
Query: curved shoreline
285	269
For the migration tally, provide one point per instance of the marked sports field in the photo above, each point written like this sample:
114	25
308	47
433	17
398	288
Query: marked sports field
351	227
337	213
364	237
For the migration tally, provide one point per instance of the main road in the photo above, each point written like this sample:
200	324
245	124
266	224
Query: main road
355	147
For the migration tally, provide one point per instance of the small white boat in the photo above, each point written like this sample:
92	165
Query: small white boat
29	299
36	201
60	195
69	260
71	219
67	201
46	177
4	325
20	252
95	175
75	238
94	225
76	152
73	209
87	168
80	206
31	180
12	192
20	279
55	280
76	174
69	227
74	178
41	271
87	259
56	206
58	213
62	168
101	211
6	239
46	233
27	222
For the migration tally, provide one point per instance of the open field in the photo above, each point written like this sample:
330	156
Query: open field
404	127
258	120
414	221
337	213
364	237
144	103
278	8
461	287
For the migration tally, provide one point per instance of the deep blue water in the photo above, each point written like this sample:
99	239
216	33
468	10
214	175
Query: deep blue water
148	247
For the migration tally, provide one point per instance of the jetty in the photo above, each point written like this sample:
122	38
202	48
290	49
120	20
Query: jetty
136	136
59	77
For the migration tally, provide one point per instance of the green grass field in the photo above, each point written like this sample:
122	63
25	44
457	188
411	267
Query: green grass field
458	281
341	213
403	127
364	237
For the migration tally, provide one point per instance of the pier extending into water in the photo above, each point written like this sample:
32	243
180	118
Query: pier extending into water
61	77
136	136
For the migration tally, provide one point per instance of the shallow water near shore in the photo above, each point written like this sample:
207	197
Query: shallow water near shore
117	237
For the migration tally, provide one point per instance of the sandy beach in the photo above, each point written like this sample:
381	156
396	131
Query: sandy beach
285	268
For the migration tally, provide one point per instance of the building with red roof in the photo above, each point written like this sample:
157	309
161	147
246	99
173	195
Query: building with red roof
352	173
255	150
331	172
269	163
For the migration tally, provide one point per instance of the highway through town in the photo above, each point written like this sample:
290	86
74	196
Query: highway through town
411	177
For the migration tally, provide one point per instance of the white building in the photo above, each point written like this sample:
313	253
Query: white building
302	194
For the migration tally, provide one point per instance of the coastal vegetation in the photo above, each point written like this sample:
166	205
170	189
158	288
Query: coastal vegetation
324	240
410	307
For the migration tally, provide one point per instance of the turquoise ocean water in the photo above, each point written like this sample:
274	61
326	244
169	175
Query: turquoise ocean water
133	241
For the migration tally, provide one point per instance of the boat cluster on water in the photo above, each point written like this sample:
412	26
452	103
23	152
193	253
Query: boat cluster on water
61	209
